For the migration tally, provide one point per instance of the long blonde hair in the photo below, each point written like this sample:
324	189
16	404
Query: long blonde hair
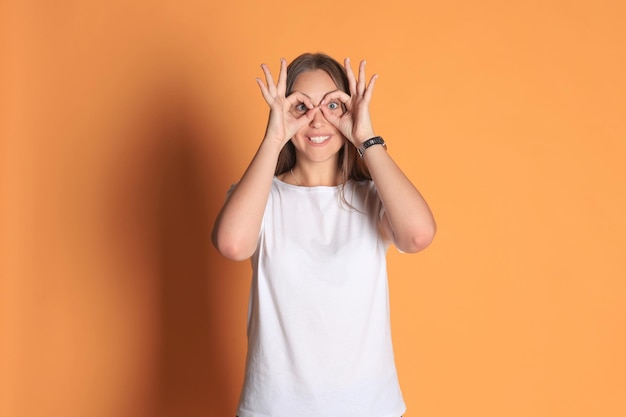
350	164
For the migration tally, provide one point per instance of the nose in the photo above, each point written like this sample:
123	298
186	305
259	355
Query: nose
318	120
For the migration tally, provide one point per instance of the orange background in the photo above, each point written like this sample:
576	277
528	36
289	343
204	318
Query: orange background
124	122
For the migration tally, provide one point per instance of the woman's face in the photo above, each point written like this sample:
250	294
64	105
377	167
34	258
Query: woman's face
319	140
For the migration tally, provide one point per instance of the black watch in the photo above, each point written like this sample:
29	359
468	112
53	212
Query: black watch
376	140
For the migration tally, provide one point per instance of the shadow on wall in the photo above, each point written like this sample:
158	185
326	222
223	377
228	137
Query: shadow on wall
169	198
193	378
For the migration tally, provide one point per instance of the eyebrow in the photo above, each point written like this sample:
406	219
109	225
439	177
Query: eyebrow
309	97
298	91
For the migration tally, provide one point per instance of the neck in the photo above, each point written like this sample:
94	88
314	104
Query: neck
311	175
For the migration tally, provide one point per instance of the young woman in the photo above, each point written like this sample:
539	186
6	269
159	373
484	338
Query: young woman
316	210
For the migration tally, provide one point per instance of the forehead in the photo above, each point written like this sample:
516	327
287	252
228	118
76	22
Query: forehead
314	82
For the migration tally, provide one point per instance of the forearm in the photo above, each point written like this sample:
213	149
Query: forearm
410	219
237	227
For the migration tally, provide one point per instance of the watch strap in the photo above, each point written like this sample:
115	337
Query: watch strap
376	140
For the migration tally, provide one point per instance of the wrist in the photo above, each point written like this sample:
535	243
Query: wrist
366	144
358	141
274	144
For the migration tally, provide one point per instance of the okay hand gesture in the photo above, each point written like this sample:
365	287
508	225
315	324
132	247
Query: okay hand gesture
284	123
355	124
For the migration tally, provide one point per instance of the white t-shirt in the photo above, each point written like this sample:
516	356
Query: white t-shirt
319	338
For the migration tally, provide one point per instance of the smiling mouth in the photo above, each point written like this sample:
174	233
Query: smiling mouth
319	139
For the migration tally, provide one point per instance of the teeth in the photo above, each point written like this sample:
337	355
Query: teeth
318	139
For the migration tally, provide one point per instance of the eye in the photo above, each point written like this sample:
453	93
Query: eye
333	105
301	107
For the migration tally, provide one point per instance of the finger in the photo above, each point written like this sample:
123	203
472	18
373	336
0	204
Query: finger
306	118
370	88
310	114
360	86
350	75
297	97
328	114
295	100
282	78
266	94
336	95
271	87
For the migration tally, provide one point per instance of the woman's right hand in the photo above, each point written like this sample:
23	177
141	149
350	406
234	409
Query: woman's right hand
284	120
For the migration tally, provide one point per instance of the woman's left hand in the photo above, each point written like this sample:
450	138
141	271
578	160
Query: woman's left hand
355	124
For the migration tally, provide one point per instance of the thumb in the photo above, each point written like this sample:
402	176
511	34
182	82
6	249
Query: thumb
330	116
307	117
